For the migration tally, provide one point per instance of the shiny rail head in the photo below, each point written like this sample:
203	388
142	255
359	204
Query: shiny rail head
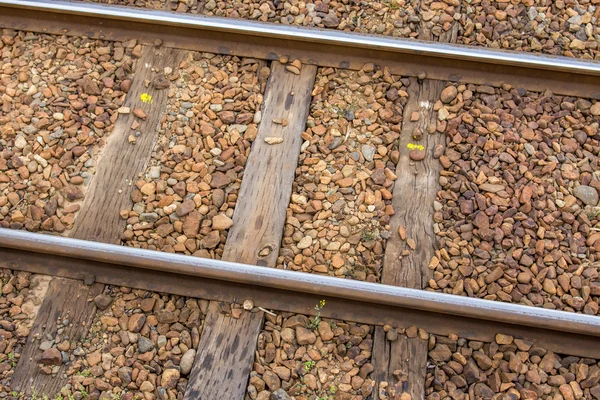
356	41
377	294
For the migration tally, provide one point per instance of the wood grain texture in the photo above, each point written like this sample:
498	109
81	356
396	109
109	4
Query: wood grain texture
121	161
267	184
99	220
68	300
414	192
413	196
227	345
408	355
223	365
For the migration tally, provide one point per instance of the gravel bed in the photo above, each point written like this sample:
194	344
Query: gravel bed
22	294
185	201
59	98
141	345
507	368
311	358
518	217
560	27
337	221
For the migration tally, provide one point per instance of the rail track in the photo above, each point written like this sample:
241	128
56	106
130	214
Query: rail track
402	165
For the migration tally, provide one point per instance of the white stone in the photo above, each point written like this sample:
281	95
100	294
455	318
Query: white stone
40	160
154	172
304	243
20	142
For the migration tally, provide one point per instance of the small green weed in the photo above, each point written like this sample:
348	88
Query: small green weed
592	212
314	322
392	5
368	235
12	359
86	372
308	365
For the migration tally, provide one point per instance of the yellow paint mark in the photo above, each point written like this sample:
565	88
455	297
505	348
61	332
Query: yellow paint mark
146	98
412	146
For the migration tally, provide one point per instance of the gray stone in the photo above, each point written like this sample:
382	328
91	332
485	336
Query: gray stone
149	217
355	156
280	394
529	149
575	20
46	345
331	20
532	13
30	129
368	152
162	393
162	341
103	301
187	361
124	374
89	280
145	345
78	352
210	5
587	194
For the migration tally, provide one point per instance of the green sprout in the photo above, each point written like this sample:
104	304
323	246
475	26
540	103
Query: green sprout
11	357
314	322
308	365
368	235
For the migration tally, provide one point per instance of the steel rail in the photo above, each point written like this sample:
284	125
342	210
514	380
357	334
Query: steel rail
312	45
550	327
313	35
